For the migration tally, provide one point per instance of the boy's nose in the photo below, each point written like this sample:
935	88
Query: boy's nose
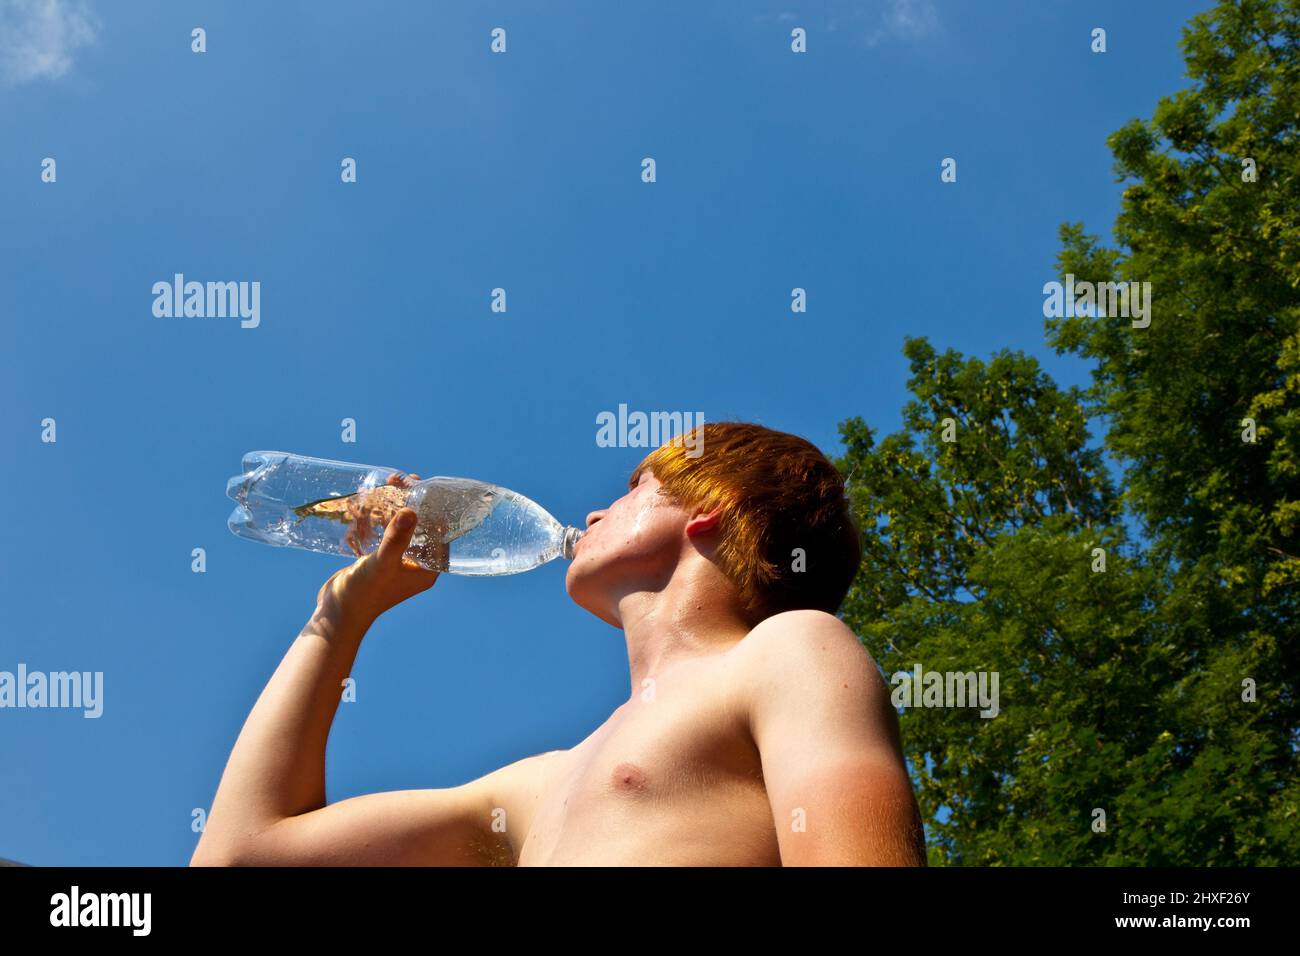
595	516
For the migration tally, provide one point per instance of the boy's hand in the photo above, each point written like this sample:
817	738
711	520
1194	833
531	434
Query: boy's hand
379	580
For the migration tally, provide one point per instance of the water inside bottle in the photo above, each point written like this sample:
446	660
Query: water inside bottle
465	527
495	531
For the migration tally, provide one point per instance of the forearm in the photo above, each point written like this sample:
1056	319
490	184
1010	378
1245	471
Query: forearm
277	767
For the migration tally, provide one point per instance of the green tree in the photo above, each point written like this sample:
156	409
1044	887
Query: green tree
1121	689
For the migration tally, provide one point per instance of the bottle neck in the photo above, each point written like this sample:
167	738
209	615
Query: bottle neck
571	536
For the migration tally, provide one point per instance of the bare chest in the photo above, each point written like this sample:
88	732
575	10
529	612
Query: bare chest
674	780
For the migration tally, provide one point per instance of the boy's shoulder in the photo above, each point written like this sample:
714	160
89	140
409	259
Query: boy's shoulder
801	634
802	656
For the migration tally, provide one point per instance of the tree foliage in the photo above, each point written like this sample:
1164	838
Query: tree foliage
1124	690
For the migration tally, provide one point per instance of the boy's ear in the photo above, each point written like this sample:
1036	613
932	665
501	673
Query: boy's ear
703	523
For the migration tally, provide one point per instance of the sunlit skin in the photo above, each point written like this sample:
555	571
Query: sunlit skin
738	744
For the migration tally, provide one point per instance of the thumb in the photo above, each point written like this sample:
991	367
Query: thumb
397	537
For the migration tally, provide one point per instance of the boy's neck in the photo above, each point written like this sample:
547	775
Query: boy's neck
696	615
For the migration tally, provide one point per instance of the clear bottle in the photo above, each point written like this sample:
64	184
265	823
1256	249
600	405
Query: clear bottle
336	507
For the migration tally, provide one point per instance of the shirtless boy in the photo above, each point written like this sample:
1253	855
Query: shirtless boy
757	731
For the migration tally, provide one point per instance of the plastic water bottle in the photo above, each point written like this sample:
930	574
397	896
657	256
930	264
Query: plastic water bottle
336	507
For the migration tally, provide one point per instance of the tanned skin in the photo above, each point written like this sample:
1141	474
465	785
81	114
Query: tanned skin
739	745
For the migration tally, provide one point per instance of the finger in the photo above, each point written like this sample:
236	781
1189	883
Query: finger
411	564
397	537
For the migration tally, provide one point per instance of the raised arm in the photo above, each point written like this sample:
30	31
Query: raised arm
270	805
829	743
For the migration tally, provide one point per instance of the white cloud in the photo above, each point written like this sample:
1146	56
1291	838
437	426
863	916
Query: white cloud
888	19
778	17
39	37
911	18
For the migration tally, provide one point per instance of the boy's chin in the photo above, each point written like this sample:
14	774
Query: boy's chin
588	595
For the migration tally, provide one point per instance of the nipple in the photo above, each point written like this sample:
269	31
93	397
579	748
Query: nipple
628	776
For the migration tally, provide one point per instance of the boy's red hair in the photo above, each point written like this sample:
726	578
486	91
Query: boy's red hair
777	493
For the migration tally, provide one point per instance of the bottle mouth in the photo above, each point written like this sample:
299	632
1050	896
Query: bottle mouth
571	538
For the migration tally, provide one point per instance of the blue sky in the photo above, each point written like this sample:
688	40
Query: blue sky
474	171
